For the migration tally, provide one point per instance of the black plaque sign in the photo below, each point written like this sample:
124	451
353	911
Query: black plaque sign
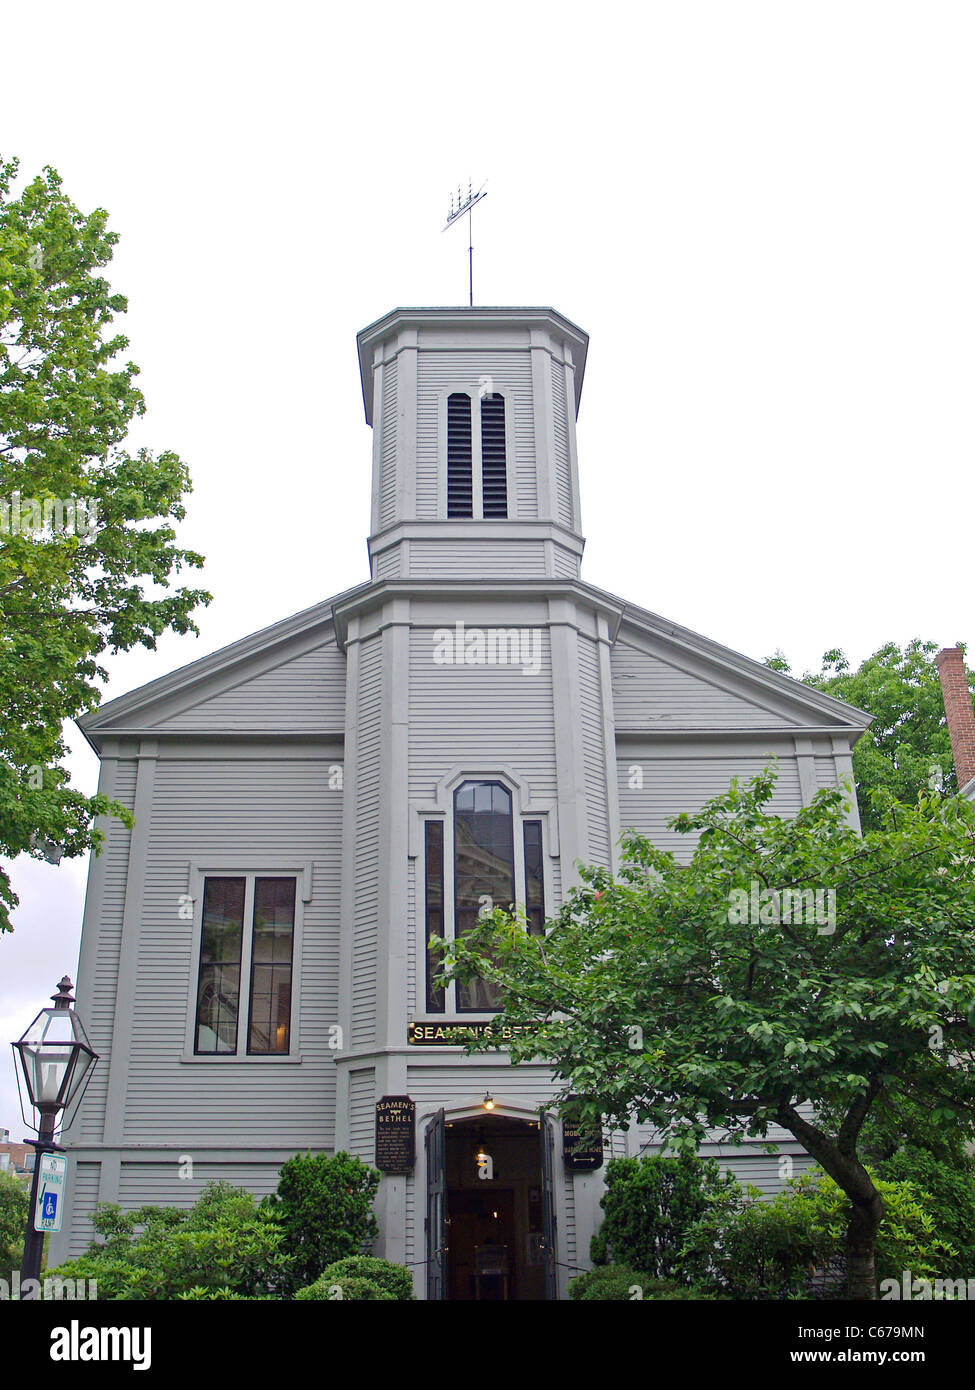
395	1130
582	1152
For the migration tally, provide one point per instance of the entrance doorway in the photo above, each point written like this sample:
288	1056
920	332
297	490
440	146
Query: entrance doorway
490	1200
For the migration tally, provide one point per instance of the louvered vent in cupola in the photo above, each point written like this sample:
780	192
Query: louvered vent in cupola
460	465
494	466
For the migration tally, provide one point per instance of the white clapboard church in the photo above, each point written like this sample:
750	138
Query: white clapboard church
313	802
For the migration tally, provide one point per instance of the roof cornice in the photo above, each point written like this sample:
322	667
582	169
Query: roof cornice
465	319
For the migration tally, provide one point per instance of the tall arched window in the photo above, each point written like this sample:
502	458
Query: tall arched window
475	854
484	869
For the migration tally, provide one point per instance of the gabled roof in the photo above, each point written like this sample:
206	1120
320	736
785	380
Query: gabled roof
777	687
136	711
144	710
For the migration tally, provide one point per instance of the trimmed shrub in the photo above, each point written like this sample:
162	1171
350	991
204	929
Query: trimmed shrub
323	1208
224	1242
651	1203
343	1289
618	1283
948	1187
395	1279
198	1294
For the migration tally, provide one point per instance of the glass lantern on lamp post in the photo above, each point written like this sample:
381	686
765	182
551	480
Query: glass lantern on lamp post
57	1060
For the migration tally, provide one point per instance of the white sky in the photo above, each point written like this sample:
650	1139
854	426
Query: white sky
762	213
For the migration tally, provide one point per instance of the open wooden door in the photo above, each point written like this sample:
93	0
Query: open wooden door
436	1218
546	1132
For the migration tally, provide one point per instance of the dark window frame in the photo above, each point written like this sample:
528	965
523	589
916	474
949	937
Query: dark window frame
445	894
247	963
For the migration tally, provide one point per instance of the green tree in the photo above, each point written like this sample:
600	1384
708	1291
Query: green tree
907	749
323	1205
14	1204
699	997
83	567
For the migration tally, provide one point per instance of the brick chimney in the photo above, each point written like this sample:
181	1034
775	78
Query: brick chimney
958	708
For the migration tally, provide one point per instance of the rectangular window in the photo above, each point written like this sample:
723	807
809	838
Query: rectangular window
269	1024
218	993
245	974
534	878
434	909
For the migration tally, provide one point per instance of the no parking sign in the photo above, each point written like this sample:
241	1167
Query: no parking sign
50	1192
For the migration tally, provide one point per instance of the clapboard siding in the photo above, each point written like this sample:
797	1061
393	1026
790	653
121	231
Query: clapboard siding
368	773
826	773
561	460
386	564
160	1184
83	1198
764	1172
387	456
466	1078
99	1007
306	693
566	565
649	693
594	751
477	559
269	811
450	723
362	1114
439	373
653	790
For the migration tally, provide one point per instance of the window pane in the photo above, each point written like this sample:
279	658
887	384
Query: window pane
484	869
269	1021
434	908
218	989
534	878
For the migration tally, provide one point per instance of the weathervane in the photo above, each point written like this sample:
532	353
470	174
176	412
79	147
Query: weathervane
466	205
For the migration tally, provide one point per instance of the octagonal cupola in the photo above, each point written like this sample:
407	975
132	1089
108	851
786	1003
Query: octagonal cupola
475	470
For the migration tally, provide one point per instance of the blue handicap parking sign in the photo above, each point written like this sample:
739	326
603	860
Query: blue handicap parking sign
50	1205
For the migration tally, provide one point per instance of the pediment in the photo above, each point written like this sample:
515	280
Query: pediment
288	679
668	679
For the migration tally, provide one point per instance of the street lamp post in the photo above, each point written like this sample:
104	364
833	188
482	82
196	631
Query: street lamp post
57	1059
